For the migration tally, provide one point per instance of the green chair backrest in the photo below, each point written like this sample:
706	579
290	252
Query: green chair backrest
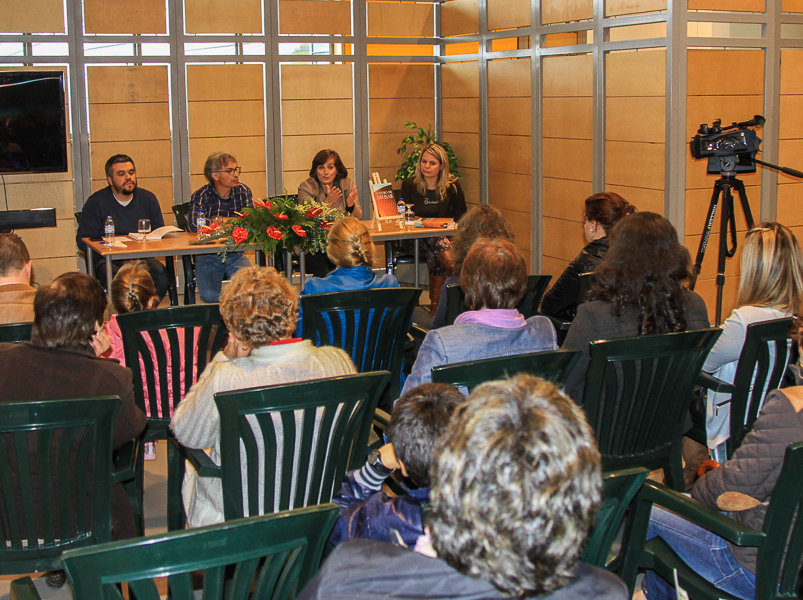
637	392
175	332
16	332
766	353
618	490
536	286
370	325
584	283
180	212
554	366
40	517
778	568
298	440
270	558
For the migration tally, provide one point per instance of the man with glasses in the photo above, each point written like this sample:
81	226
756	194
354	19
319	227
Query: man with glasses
220	199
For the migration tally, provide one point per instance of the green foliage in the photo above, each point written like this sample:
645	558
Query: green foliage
419	140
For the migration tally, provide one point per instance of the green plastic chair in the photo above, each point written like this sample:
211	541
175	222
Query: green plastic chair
554	366
766	354
779	543
370	325
312	432
200	330
536	286
584	283
637	392
16	333
263	558
43	516
619	488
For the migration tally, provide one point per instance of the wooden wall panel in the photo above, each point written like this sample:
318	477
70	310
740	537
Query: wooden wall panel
559	11
568	117
792	6
461	121
508	14
642	198
650	66
32	16
317	117
461	115
122	16
152	157
460	80
628	7
563	239
510	116
567	75
127	84
509	190
125	122
466	147
564	198
401	81
729	5
225	82
401	19
236	16
459	17
790	190
332	17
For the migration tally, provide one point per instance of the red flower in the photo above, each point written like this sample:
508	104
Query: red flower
281	216
313	212
325	225
206	229
214	226
299	231
239	235
274	233
259	203
246	213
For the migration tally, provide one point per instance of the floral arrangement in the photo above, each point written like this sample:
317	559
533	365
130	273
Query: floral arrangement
276	223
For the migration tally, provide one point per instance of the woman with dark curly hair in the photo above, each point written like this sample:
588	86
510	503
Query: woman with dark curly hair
602	212
480	222
638	290
260	312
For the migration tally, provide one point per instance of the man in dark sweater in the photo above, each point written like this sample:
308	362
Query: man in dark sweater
515	489
126	204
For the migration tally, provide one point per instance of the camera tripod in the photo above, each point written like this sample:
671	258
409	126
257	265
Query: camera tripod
722	187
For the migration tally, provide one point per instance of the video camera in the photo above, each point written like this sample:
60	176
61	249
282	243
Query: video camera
728	149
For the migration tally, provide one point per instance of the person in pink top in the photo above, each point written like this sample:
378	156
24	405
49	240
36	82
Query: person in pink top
133	290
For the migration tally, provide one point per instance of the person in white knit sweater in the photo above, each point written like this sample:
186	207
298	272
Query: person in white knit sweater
260	312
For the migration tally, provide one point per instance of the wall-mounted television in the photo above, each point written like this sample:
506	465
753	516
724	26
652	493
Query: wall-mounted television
33	131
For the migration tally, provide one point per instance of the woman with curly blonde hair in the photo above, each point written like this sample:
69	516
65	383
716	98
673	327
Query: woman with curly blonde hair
260	311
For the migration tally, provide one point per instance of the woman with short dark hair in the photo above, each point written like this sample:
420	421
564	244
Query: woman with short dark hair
494	280
328	183
638	290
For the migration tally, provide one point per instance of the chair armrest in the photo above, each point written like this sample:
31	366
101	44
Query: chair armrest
559	324
24	589
710	382
418	332
199	460
381	419
124	458
700	514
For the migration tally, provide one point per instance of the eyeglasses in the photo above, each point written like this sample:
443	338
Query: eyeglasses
230	171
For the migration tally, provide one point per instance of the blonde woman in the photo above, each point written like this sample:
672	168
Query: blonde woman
351	249
259	310
771	287
435	193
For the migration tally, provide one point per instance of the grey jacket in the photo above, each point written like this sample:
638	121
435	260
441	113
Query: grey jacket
755	467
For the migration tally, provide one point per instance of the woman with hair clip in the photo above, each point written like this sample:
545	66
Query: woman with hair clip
435	193
351	249
602	212
638	290
770	287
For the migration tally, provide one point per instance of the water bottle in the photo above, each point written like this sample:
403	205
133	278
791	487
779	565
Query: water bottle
409	218
401	208
108	230
201	223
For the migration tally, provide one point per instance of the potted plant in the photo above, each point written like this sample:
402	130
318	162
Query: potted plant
419	141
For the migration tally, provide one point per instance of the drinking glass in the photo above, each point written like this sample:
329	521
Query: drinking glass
144	228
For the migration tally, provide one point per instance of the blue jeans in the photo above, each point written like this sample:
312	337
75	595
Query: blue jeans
706	553
210	271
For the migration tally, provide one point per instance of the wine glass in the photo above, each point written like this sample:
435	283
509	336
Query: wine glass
144	228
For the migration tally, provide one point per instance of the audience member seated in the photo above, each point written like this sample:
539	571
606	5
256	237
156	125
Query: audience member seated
16	292
481	221
329	184
351	249
260	312
62	361
638	291
771	287
494	279
515	489
435	193
132	291
752	472
602	212
419	418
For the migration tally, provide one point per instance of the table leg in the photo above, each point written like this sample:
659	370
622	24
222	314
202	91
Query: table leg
303	269
416	262
109	278
189	280
172	291
90	261
389	258
288	264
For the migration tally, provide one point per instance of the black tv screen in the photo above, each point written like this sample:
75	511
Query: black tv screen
33	132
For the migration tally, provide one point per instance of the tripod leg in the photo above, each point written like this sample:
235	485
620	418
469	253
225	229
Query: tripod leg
726	217
738	185
712	211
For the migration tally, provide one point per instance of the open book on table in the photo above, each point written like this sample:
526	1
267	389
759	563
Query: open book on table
156	234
